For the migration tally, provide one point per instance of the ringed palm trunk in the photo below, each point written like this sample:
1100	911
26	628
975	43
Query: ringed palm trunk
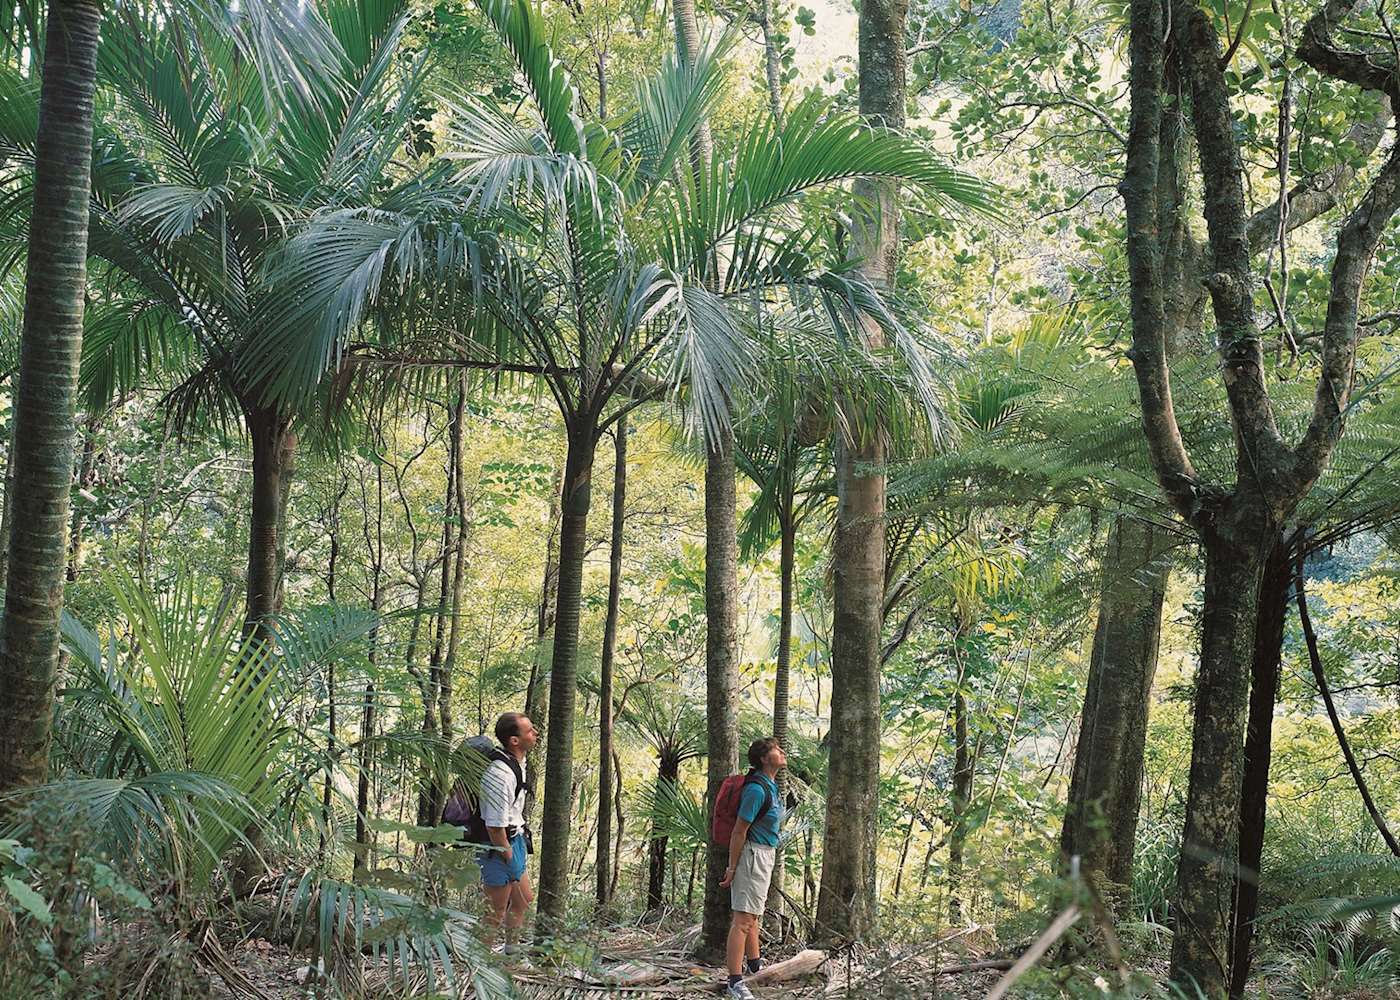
51	344
787	546
846	904
603	864
563	681
721	667
1235	546
721	583
1101	815
274	448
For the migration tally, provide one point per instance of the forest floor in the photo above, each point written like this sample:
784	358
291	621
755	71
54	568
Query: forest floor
641	964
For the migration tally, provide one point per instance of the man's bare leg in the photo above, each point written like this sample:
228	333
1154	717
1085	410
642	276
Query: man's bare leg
497	902
522	894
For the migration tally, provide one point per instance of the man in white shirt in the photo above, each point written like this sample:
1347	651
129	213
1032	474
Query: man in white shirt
503	875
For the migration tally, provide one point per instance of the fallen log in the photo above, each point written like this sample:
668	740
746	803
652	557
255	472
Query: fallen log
991	965
804	963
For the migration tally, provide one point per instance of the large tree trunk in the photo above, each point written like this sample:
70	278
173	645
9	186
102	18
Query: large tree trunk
1265	671
1106	783
1234	556
274	446
846	904
721	578
563	681
787	562
721	667
605	687
536	688
50	347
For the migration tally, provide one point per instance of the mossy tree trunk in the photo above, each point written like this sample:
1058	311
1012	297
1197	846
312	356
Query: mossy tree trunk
46	396
846	904
1101	815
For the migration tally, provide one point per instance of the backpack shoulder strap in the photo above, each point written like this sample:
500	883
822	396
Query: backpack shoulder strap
752	777
509	760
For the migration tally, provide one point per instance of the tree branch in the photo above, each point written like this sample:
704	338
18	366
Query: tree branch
1364	69
1149	329
1320	193
1321	677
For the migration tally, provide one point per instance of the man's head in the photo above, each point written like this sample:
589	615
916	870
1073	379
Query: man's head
767	754
516	733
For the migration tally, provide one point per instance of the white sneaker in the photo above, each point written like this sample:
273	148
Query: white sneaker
739	991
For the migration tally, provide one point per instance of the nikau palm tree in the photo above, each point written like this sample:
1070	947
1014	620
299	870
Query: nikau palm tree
583	255
51	344
195	189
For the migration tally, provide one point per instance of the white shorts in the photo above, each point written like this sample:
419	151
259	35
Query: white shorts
748	893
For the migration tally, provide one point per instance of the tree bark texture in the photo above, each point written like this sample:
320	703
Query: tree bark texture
563	682
846	904
603	866
787	566
1210	842
1105	789
536	688
961	804
1237	523
50	347
274	446
721	666
1265	671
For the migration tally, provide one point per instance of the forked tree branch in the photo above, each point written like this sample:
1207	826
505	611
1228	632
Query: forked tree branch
1148	354
1356	244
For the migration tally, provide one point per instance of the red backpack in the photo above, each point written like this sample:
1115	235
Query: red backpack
731	790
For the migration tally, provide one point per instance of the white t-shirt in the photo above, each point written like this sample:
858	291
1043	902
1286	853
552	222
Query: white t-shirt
500	806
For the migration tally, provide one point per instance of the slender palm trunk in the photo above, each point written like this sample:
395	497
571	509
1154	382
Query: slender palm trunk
962	804
772	61
603	864
721	666
82	481
364	841
667	775
846	906
274	446
563	681
432	796
333	530
787	560
1265	673
1101	815
50	347
721	578
459	565
536	690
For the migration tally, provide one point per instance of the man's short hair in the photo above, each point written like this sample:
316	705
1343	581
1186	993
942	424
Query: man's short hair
760	749
508	725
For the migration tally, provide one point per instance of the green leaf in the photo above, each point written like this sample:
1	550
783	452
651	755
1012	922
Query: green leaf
29	900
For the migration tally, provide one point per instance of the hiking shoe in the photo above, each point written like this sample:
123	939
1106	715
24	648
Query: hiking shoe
739	991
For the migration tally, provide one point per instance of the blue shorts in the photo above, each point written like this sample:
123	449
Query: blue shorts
495	872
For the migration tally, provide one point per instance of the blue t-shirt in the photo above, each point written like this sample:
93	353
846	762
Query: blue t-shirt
765	830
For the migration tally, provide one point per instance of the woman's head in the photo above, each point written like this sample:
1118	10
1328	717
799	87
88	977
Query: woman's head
767	751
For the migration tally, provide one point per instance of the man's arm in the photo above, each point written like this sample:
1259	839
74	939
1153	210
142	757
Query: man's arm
736	848
499	838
